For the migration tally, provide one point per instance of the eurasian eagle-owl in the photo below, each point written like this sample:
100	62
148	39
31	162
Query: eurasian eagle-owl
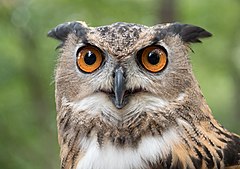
127	98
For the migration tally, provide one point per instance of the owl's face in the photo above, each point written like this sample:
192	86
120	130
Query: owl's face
124	68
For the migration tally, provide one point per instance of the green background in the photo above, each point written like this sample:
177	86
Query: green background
28	135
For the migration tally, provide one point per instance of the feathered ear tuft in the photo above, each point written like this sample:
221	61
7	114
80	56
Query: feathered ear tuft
189	33
192	34
61	31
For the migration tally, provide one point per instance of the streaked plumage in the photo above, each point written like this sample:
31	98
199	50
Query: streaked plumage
120	115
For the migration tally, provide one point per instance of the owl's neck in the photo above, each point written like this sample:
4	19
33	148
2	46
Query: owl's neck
84	127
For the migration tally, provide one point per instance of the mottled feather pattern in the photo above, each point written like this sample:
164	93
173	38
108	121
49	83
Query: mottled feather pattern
165	121
203	143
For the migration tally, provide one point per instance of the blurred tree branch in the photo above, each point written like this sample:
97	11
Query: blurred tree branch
167	11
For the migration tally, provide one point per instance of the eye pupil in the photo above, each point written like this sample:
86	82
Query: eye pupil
90	58
153	58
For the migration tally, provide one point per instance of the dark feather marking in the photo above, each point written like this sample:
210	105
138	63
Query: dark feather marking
161	164
121	140
185	141
220	154
220	132
74	158
178	165
218	164
89	131
64	122
63	119
209	158
196	162
71	144
155	129
152	129
89	128
157	165
78	150
63	163
66	125
232	152
159	130
159	36
192	138
198	133
199	154
112	138
210	141
65	138
222	140
185	116
168	161
100	136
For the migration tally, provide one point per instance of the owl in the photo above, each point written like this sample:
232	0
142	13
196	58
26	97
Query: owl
126	98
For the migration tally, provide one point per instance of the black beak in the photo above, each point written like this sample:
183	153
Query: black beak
119	87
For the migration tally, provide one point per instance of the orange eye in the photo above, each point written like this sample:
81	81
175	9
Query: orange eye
89	59
153	58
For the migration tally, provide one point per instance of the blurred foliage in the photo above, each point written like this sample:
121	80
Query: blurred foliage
28	136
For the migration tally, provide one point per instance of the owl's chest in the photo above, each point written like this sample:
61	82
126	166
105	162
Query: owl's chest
149	150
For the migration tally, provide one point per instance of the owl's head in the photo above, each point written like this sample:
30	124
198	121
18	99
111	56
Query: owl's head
123	67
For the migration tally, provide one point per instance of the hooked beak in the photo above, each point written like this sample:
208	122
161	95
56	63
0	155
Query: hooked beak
119	87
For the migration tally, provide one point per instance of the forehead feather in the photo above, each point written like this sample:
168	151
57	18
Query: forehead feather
120	38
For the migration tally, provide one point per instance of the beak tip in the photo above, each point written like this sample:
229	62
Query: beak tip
119	105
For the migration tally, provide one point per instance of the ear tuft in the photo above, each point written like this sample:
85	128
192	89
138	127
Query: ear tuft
61	31
190	33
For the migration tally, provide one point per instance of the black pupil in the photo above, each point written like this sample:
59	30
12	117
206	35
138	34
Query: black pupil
90	58
153	57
